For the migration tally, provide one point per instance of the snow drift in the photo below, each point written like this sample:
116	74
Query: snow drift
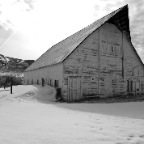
31	115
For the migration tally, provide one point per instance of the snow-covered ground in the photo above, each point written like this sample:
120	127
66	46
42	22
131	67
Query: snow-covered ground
31	116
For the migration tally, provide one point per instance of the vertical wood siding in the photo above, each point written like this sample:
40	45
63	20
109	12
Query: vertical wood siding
105	61
133	69
111	81
83	63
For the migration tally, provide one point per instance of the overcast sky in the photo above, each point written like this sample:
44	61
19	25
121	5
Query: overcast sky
30	27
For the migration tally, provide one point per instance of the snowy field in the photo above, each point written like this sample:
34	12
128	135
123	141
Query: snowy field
31	116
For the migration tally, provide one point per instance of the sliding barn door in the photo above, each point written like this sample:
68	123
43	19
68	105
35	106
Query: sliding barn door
74	88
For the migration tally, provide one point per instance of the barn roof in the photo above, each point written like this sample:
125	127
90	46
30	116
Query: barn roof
58	53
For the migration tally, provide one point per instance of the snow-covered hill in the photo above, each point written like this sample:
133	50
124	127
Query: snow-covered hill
13	64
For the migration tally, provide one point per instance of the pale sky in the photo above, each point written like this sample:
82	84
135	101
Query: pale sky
33	26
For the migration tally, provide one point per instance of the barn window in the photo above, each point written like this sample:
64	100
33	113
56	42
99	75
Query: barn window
129	86
43	81
56	83
92	79
142	86
50	82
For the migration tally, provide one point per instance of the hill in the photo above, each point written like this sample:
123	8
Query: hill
10	64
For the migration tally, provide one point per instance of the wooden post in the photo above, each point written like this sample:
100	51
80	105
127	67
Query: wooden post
5	83
11	86
42	82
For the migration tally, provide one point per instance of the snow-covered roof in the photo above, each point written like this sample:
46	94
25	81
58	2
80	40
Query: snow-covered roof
59	52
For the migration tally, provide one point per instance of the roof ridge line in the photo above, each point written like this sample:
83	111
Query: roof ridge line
75	38
83	29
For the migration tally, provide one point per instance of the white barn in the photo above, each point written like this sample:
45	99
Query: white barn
97	61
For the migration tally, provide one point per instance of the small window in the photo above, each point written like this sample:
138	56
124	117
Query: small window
129	86
37	81
92	78
50	83
43	81
56	83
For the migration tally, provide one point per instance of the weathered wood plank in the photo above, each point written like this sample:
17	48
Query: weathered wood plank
100	57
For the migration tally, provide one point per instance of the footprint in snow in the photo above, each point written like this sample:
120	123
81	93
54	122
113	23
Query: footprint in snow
91	126
133	137
141	136
116	126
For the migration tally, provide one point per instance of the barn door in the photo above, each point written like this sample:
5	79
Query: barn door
74	88
129	86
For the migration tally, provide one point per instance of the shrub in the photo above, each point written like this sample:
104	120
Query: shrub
6	80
